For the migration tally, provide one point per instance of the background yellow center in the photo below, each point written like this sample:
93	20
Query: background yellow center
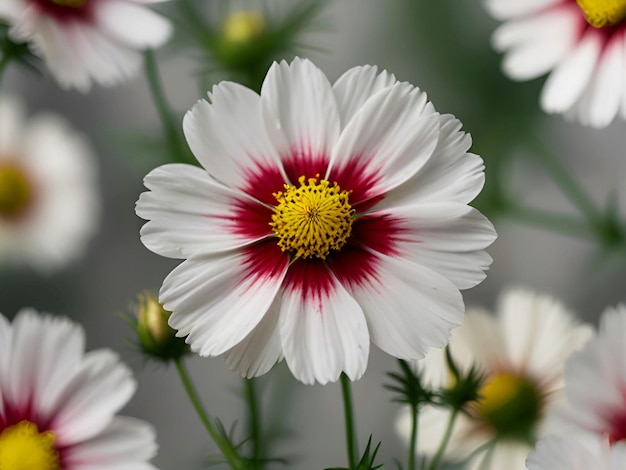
15	192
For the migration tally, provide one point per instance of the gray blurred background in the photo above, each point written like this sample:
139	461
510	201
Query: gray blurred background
443	49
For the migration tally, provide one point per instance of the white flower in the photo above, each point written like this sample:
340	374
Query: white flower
595	381
85	41
522	351
580	453
581	44
325	217
58	404
48	201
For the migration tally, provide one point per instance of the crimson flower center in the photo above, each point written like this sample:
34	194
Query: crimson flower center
601	13
23	447
312	219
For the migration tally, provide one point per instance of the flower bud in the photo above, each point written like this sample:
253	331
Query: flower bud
156	338
243	27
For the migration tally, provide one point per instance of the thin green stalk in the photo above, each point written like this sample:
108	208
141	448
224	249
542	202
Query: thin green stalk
413	441
568	184
351	438
176	145
254	422
227	449
434	464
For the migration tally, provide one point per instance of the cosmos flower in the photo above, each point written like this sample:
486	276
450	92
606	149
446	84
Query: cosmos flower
580	453
325	217
580	43
86	41
522	352
48	199
595	382
58	404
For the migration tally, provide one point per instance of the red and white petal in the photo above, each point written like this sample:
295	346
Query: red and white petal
506	9
228	136
188	212
449	238
322	328
358	85
389	139
261	349
450	175
88	402
120	19
540	334
567	82
601	100
536	44
36	345
218	299
408	307
126	443
300	109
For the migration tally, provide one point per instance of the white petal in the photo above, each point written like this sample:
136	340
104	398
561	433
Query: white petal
323	331
131	24
505	9
126	443
450	175
623	101
408	307
569	452
188	213
538	43
567	82
228	136
602	99
356	86
389	139
217	300
261	349
89	401
540	334
298	102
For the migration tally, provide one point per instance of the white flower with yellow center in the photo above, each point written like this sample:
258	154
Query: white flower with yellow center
86	41
58	404
581	43
577	453
522	352
48	200
325	216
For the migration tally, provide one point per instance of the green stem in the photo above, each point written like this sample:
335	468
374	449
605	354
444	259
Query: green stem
434	464
254	425
351	438
413	442
550	221
227	449
176	145
567	184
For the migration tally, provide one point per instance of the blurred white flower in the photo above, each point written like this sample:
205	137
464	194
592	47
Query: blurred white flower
48	200
522	351
325	216
595	382
581	43
58	404
85	41
579	453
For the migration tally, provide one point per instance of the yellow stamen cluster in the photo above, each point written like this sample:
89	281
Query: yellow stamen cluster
70	3
15	192
312	219
601	13
243	26
510	404
23	447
